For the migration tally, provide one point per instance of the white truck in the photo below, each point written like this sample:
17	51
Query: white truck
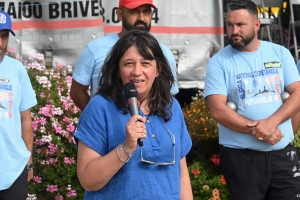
192	29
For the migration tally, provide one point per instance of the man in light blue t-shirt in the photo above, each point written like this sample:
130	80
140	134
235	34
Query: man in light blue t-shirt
134	14
256	156
16	136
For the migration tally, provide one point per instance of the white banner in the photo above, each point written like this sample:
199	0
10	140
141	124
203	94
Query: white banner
192	29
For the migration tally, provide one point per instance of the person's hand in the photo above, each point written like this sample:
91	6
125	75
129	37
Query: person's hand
274	137
30	175
264	131
135	129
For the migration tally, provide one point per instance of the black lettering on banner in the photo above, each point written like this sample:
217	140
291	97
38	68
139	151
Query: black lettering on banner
27	9
75	9
37	10
155	15
66	8
114	18
53	10
94	7
84	10
102	11
2	5
20	10
11	9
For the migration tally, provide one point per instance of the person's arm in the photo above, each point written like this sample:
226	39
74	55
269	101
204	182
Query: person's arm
266	128
185	182
232	120
288	109
226	116
27	136
94	171
79	94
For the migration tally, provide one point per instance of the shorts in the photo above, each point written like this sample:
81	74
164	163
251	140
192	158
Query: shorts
18	190
257	175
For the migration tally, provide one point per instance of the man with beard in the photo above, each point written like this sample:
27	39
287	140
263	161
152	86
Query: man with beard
134	14
16	136
256	155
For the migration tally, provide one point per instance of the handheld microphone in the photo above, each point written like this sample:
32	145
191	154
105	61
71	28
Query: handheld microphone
131	97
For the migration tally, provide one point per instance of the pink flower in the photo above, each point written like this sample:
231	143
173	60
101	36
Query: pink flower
51	188
52	149
59	198
11	50
39	151
42	95
34	125
70	128
66	119
58	129
52	160
37	179
76	109
43	120
69	161
59	66
72	193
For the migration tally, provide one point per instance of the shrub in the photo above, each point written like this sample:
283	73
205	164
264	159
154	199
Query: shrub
198	120
205	173
296	142
207	180
54	120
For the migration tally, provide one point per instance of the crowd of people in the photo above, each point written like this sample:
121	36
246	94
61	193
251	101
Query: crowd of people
257	157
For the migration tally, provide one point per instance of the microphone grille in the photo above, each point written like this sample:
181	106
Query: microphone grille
130	90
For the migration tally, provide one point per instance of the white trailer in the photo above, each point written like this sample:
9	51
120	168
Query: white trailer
192	29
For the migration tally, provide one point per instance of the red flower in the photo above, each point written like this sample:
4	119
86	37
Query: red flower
215	159
196	172
223	181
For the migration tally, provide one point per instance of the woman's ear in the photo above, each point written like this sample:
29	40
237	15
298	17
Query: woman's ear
159	68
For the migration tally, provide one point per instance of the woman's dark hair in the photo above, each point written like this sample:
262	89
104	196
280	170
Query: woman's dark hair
250	6
111	86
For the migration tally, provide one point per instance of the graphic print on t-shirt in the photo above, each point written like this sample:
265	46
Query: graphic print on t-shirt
259	87
6	99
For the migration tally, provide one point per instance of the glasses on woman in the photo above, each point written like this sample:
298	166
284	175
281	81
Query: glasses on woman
172	137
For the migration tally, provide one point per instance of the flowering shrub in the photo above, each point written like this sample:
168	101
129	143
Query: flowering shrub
54	120
198	120
207	180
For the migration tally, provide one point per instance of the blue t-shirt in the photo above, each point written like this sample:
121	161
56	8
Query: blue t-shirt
91	59
16	95
254	81
102	127
298	66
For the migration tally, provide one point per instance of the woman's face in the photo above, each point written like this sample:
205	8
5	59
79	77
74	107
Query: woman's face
135	68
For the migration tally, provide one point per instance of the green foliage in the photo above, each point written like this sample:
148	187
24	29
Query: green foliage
206	179
54	120
198	120
296	141
204	164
